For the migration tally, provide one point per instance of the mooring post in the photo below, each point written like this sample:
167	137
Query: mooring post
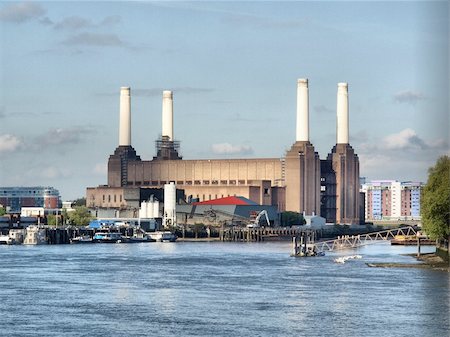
418	246
294	242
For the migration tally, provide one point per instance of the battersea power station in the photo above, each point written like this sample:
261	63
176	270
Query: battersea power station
299	182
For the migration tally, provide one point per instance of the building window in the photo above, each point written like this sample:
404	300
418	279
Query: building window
120	198
109	198
103	198
115	198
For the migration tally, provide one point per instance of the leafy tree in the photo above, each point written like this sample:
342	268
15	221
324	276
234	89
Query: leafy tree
79	202
2	211
435	200
80	216
51	220
292	218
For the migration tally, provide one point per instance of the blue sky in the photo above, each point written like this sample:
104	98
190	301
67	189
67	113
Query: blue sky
233	67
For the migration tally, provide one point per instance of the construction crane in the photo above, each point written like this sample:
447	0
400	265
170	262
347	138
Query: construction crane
256	223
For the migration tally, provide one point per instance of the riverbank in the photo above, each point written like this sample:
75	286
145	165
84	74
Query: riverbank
429	261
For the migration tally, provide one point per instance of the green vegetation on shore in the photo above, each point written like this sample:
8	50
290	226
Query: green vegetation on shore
435	201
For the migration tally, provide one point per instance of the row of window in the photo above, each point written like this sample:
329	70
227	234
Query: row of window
189	182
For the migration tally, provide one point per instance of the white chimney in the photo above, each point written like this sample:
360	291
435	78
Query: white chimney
167	114
302	111
125	117
342	114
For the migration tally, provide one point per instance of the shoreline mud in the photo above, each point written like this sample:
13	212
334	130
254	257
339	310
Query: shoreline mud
428	261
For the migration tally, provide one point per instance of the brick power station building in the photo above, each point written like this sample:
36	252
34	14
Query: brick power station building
300	181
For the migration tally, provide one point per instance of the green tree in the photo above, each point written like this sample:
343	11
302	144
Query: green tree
435	200
79	217
2	211
51	220
292	218
79	202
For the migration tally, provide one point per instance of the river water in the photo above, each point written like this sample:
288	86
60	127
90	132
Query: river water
216	289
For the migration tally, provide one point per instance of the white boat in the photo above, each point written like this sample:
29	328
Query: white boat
6	240
108	237
163	236
81	239
138	237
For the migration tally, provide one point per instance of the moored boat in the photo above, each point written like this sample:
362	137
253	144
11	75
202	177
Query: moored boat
81	239
6	240
108	237
163	236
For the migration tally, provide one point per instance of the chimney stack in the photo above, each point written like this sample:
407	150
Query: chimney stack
302	111
167	114
342	114
125	117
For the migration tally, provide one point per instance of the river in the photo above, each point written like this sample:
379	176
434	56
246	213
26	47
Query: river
216	289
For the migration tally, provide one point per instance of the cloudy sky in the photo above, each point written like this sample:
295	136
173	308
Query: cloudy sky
233	67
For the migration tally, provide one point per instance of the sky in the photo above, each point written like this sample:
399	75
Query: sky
233	69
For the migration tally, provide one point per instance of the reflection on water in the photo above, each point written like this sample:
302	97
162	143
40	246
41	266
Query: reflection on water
216	289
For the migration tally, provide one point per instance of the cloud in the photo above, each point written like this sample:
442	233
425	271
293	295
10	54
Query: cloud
111	21
94	39
227	148
73	23
10	143
21	12
405	139
60	136
404	153
408	96
46	21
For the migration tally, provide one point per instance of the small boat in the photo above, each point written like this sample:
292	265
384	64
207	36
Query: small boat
343	259
6	240
81	239
108	237
138	237
163	236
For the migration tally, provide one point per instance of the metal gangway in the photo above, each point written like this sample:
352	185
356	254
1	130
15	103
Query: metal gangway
353	241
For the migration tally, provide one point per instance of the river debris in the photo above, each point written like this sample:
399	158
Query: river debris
343	259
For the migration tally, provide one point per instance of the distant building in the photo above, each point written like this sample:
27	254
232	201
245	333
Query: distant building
392	200
298	182
14	198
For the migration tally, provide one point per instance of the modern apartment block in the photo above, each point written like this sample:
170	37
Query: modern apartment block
14	198
392	200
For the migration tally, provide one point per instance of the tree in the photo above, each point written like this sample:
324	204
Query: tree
80	216
292	218
51	220
435	200
79	202
2	211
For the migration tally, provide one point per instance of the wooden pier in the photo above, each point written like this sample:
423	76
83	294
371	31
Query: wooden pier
258	234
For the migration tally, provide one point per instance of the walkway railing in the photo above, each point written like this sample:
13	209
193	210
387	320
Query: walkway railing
352	241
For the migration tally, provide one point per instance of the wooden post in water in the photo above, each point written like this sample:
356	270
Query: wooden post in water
418	246
294	243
